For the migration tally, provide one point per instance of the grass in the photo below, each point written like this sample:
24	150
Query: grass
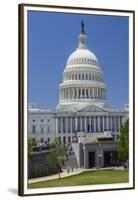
86	178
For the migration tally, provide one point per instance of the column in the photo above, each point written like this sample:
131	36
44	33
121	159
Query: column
76	123
71	124
81	124
61	124
81	93
77	93
85	93
111	123
100	93
107	122
103	123
66	124
99	129
94	124
115	123
97	93
119	126
90	130
56	125
85	124
88	93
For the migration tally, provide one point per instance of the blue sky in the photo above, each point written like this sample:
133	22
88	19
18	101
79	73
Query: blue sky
52	37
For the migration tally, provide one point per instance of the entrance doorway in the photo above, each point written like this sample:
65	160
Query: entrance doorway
110	158
91	159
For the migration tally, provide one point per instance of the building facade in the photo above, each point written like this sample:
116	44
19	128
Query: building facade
82	107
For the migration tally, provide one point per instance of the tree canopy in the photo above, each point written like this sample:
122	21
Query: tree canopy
57	154
123	142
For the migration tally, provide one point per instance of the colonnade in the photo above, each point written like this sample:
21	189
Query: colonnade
82	93
89	124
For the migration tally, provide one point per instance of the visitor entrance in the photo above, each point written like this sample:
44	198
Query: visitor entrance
110	158
91	159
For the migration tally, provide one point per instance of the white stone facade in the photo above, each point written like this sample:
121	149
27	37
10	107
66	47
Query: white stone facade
82	102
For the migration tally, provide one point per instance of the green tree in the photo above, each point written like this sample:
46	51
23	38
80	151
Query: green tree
30	145
57	154
123	142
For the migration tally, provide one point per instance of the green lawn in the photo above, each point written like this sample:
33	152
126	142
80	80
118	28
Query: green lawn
86	178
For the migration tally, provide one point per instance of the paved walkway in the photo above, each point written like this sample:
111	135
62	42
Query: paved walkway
55	176
65	174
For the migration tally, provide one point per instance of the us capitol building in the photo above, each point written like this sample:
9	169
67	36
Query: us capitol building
82	116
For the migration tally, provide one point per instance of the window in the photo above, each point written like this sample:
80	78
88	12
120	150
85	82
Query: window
42	120
82	76
86	77
41	129
33	129
48	120
33	120
79	77
48	129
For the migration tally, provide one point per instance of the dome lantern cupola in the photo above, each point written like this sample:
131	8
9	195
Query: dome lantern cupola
82	38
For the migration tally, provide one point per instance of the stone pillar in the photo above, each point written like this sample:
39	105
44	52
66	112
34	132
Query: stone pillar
81	124
103	123
99	128
119	126
61	124
85	124
71	124
56	125
97	93
115	123
89	94
76	123
85	93
107	122
77	93
111	123
94	124
66	124
90	130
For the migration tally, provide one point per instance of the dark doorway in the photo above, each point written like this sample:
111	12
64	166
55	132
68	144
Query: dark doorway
91	159
110	158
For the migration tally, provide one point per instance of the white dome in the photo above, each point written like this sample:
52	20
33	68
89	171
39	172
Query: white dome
82	56
82	78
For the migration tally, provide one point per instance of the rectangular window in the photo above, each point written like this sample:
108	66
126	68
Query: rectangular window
41	129
48	129
33	129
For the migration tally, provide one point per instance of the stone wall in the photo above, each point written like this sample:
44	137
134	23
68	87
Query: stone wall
38	165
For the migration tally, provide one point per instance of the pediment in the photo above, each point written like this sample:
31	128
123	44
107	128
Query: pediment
93	108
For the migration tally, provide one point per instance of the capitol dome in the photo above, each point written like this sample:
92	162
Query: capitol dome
82	56
82	78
